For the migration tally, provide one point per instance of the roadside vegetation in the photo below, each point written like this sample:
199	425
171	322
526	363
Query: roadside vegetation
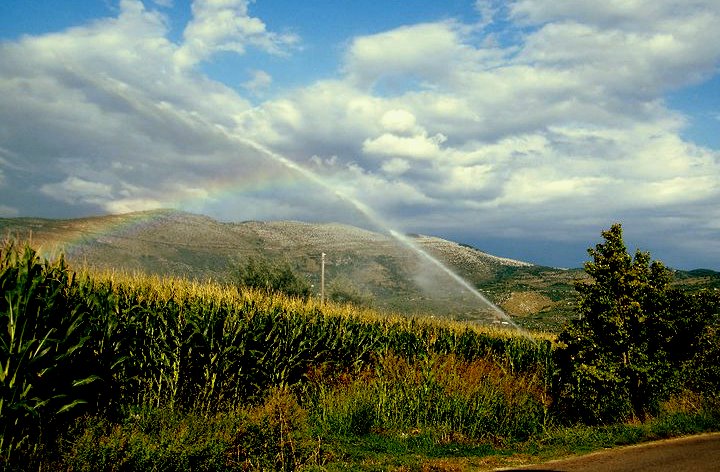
105	371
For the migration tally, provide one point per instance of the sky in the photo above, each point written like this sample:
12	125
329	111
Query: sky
521	127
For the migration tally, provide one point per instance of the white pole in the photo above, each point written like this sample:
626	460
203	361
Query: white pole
322	279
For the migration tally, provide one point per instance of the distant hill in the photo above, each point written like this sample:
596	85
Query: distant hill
376	268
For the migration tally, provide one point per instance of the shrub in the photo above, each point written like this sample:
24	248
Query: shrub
263	275
152	439
440	393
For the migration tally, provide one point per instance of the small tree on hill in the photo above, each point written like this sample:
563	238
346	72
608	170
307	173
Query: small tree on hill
624	353
280	277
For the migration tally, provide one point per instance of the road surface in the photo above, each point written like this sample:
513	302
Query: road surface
690	454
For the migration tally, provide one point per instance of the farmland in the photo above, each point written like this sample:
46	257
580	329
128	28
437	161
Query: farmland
108	371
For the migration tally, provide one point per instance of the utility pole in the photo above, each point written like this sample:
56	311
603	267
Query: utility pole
322	279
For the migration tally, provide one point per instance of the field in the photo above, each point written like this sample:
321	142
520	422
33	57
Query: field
373	267
370	266
107	371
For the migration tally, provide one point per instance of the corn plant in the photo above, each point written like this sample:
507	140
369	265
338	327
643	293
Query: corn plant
217	345
42	369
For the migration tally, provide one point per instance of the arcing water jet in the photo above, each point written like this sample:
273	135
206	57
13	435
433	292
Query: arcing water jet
125	92
373	218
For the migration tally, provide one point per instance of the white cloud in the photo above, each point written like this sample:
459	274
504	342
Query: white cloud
424	55
534	187
469	179
635	14
396	166
432	125
75	190
132	204
399	121
327	118
259	82
677	190
640	47
418	147
226	25
114	125
571	126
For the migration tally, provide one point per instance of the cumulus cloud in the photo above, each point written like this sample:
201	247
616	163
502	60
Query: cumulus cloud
226	25
641	47
259	82
73	189
396	166
436	126
568	124
399	121
99	117
636	14
425	54
419	146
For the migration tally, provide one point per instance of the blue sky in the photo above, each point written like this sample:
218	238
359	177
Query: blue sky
523	127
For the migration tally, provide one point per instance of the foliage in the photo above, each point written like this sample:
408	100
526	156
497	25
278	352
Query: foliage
171	374
272	277
626	351
273	435
106	343
149	439
161	439
704	367
438	393
43	348
342	290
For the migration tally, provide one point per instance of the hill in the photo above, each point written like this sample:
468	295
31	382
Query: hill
365	266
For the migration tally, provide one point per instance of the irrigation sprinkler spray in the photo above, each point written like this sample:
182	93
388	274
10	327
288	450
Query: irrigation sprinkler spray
125	92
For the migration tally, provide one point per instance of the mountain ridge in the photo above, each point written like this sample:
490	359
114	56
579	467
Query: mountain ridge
380	270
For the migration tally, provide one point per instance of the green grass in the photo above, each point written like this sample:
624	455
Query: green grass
422	450
281	435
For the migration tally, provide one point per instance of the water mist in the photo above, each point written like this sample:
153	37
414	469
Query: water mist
166	110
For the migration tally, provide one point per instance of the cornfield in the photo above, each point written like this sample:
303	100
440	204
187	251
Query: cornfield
101	343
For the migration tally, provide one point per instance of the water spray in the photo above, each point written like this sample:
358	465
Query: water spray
373	218
122	90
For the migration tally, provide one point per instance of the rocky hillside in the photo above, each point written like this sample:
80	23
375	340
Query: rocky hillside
373	268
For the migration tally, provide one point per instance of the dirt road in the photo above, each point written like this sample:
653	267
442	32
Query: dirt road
691	454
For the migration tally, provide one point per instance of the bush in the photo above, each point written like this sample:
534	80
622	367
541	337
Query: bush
436	392
274	435
152	439
262	275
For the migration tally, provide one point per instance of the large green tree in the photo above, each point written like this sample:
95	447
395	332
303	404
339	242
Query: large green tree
625	352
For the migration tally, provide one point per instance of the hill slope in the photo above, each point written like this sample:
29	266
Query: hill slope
374	267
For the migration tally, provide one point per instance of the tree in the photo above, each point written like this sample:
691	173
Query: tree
623	354
279	277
